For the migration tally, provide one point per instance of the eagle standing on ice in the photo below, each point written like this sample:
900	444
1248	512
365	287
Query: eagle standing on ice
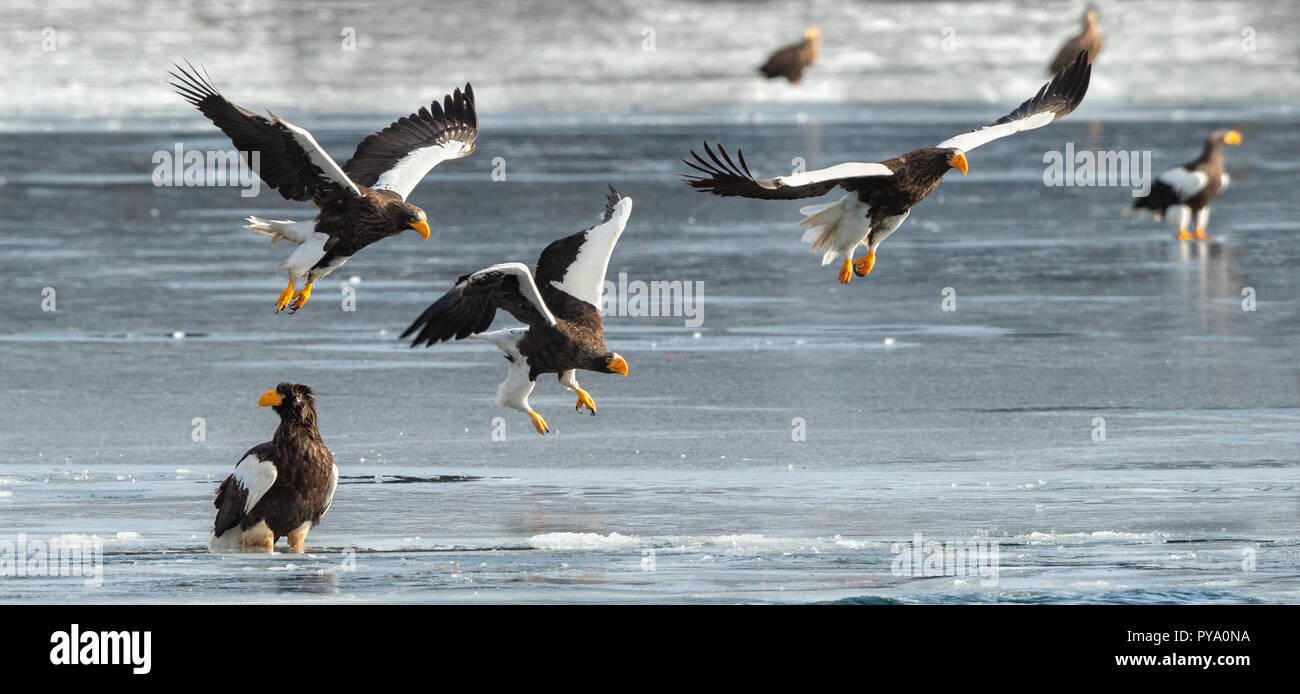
361	202
560	304
1188	189
1088	40
280	488
880	195
790	61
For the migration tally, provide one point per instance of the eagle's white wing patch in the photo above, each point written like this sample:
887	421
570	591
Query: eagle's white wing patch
318	155
852	169
585	276
1185	183
412	168
334	483
255	477
968	141
527	285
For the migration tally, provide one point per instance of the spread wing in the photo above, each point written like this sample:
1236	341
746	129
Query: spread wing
725	177
288	158
1054	101
398	157
241	491
577	264
472	304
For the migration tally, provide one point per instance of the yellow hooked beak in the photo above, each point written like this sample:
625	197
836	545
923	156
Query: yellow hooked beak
958	162
269	399
422	227
1232	138
617	365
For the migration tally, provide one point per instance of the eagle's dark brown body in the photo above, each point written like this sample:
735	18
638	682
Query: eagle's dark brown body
1088	40
916	175
353	223
790	61
304	480
577	341
1210	162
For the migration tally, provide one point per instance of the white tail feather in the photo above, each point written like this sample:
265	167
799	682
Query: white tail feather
277	229
824	226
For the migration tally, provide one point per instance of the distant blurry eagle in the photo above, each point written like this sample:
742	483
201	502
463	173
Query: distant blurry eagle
880	195
361	202
1186	190
280	488
560	304
1088	40
790	61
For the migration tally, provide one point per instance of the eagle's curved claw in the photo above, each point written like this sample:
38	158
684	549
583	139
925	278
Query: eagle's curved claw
300	298
864	264
846	273
584	400
538	423
285	297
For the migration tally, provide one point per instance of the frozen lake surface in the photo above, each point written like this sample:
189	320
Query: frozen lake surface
982	424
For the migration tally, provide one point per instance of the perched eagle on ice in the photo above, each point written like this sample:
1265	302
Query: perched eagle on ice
560	304
880	195
1088	40
280	488
361	202
789	62
1186	191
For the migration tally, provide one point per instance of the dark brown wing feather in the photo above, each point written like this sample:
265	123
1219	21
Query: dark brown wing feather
1062	94
284	164
470	307
726	178
456	119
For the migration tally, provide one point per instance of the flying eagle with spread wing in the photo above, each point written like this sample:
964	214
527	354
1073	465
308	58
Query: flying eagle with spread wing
362	201
560	304
880	195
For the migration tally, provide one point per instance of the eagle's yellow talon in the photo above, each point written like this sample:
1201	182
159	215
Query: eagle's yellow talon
285	296
864	264
584	400
846	271
538	423
1184	235
301	298
1200	234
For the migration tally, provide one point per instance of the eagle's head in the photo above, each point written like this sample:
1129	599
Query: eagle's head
951	157
1227	137
608	363
405	216
290	401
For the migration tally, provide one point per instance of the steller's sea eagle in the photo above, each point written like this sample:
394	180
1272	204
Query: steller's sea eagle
279	488
1187	190
1088	40
880	195
361	202
789	62
560	304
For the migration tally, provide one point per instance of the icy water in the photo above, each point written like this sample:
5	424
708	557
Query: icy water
1098	404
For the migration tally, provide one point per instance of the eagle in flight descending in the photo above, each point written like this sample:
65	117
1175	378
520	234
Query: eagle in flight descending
361	202
880	195
279	488
1187	190
560	304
